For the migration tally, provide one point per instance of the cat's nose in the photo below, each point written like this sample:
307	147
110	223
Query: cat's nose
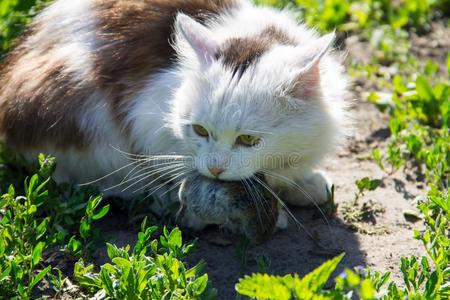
216	171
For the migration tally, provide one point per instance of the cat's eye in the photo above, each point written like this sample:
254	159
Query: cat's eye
200	130
247	140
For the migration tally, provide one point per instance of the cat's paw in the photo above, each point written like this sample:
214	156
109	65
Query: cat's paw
311	190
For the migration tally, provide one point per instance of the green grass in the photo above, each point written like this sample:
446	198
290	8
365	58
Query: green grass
45	215
14	15
151	270
354	15
37	215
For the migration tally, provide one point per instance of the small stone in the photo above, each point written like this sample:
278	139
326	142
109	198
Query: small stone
411	215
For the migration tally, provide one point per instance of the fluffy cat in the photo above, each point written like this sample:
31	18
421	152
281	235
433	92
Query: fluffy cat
226	88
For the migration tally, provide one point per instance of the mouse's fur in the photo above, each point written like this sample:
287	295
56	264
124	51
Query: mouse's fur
241	207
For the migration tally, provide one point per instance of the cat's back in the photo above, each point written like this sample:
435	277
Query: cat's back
79	53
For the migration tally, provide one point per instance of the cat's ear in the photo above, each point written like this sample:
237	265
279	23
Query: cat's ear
200	38
307	80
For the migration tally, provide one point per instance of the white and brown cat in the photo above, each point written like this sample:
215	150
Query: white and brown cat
224	88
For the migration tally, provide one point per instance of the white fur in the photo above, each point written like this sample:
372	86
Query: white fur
72	22
202	91
258	104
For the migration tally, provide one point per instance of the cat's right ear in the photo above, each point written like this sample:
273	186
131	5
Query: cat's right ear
200	38
309	61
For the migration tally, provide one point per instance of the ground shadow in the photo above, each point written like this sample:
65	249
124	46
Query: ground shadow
289	251
400	187
380	134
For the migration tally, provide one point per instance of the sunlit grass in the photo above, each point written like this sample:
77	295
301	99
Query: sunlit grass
36	214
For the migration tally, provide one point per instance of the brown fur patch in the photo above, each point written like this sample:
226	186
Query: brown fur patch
40	100
135	37
240	53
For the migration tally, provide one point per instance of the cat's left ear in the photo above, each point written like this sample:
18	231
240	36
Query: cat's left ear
200	38
307	79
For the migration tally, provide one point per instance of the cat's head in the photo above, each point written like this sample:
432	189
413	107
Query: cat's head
248	104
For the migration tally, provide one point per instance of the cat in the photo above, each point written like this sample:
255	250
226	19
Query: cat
133	94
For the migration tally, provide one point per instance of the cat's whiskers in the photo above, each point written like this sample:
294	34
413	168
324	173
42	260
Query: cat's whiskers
302	190
265	203
109	174
145	175
163	184
150	157
151	166
172	173
165	171
148	171
138	166
285	207
137	160
267	209
177	184
248	189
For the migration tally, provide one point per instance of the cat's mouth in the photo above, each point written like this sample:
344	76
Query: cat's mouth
224	178
227	179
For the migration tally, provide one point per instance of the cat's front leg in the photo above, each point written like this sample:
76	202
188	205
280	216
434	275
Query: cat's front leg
308	189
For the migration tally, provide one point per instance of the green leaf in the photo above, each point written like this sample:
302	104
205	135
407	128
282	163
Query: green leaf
263	286
107	282
37	253
5	274
111	250
424	89
2	244
41	228
32	209
40	276
84	275
29	186
42	186
200	284
367	292
367	184
122	262
399	85
448	63
11	191
432	285
383	280
315	280
103	211
74	245
175	238
85	228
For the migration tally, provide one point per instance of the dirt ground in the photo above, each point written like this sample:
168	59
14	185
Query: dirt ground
292	250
